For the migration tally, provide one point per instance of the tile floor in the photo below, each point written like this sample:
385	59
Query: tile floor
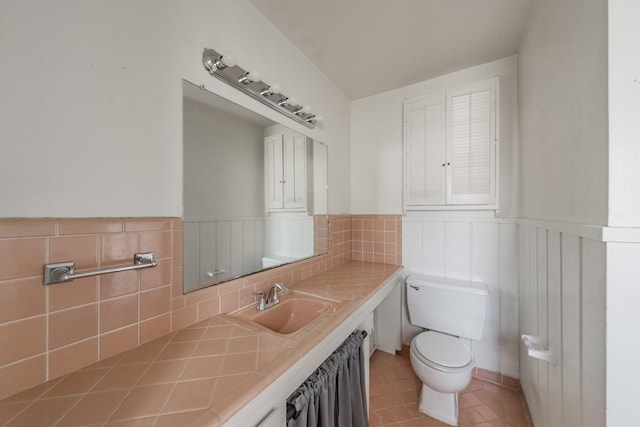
395	391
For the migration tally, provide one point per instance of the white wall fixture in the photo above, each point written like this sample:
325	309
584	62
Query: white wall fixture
224	68
537	349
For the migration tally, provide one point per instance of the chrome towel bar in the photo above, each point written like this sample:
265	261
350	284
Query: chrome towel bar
65	271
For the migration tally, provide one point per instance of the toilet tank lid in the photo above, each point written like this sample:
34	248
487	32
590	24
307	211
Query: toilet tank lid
448	283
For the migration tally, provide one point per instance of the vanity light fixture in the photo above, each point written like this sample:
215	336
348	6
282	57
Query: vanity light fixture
224	68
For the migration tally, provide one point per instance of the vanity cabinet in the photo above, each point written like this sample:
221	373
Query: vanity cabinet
286	170
268	408
450	149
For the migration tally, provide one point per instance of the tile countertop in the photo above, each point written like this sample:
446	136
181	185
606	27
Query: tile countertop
198	376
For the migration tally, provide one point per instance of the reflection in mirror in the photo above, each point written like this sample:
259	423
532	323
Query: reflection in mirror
255	192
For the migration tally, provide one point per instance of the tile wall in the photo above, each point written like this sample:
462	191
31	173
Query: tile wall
47	331
377	238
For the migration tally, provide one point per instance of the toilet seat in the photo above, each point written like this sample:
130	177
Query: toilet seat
442	352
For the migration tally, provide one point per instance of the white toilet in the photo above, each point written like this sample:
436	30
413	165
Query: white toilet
449	309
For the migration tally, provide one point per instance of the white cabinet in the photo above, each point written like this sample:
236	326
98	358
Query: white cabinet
450	149
286	173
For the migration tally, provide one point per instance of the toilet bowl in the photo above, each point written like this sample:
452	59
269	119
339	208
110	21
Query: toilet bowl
449	309
444	365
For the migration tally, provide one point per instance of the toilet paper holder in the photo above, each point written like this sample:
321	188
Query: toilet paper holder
537	349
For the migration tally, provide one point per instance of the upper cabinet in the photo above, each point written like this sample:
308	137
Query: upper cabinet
286	180
450	149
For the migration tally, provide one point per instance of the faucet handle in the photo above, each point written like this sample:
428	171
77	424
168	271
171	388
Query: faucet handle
261	302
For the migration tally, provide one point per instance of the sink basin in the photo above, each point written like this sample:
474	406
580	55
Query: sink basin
293	313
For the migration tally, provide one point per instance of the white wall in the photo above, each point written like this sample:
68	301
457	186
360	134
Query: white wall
623	252
469	247
624	111
91	101
562	75
376	139
564	180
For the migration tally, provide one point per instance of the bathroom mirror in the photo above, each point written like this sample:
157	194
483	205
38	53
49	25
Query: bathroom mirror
255	192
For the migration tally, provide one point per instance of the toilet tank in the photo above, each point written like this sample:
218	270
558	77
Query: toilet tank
455	307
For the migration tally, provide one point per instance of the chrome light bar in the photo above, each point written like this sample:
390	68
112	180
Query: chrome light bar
224	68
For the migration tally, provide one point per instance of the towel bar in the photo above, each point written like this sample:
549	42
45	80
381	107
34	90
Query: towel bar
65	271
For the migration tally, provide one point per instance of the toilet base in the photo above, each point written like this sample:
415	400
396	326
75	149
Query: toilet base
441	406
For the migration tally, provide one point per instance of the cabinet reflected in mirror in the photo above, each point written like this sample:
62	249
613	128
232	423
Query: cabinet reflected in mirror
255	192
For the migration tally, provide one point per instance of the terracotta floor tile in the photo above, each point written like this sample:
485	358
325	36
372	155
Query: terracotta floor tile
410	398
473	415
386	416
395	391
485	396
408	423
402	413
487	413
469	399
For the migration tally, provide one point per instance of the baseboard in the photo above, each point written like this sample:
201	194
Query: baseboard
497	379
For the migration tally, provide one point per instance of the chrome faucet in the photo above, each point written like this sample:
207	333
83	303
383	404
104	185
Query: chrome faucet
272	296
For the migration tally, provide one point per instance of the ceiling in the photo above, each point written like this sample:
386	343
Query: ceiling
372	46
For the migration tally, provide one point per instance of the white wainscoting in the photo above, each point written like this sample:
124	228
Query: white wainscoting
562	300
471	246
289	235
235	246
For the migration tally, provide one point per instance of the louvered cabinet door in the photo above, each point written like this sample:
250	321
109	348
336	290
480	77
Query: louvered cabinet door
295	172
424	152
471	145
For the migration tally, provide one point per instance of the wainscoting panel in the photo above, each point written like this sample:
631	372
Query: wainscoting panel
471	248
562	301
289	235
235	246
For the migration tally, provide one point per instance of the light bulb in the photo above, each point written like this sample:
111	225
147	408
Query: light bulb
292	100
274	88
306	109
228	60
254	75
319	118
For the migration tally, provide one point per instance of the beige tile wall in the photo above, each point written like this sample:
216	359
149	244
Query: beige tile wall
47	331
377	238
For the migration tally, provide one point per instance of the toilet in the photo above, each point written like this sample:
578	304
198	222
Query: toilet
449	309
